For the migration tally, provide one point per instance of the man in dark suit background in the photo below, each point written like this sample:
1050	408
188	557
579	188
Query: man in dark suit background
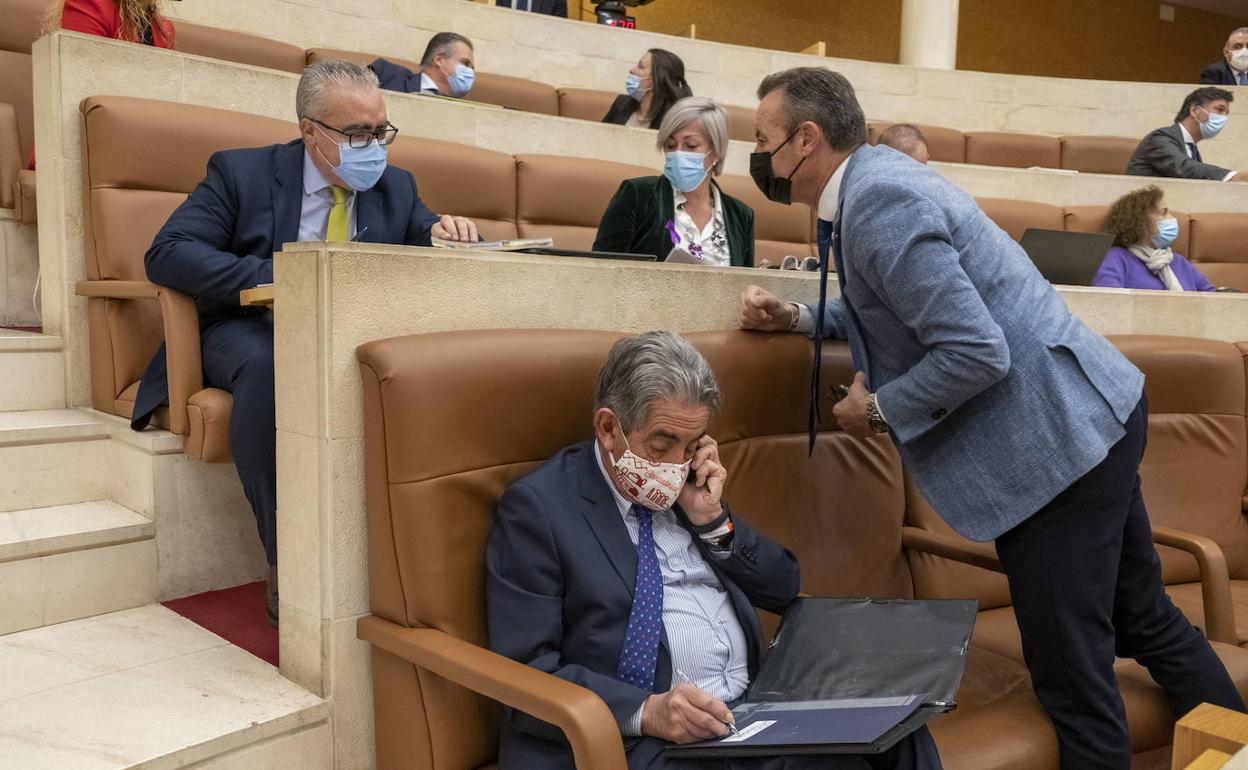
1233	69
606	569
448	67
1172	152
333	184
548	7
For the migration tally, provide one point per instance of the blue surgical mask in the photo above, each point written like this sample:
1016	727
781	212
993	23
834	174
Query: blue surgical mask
461	82
632	84
1167	231
1213	125
360	168
685	170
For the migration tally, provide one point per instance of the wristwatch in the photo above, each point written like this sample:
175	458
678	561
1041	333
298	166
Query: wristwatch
875	420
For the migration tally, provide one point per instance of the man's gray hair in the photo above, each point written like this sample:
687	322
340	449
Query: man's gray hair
326	72
652	367
823	97
903	136
710	116
1240	31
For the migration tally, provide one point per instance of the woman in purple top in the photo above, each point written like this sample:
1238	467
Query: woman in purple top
1141	258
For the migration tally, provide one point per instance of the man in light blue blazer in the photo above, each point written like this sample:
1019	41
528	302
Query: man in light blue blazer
1019	423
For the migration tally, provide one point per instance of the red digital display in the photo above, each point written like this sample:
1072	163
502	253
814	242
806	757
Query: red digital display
627	23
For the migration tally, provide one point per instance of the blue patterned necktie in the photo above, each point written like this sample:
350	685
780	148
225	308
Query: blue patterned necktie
640	656
1195	152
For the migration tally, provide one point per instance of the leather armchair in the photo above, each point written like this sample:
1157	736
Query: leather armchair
583	717
201	414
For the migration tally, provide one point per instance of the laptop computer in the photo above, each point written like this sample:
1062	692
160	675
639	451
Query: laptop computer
1065	257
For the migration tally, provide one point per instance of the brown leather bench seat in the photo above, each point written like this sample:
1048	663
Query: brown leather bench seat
1216	243
843	511
135	176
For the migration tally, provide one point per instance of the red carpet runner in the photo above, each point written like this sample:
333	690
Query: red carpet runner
234	614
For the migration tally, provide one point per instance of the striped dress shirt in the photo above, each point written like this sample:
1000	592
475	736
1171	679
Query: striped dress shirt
704	635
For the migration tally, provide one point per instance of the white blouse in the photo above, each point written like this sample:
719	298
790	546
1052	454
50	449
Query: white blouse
710	243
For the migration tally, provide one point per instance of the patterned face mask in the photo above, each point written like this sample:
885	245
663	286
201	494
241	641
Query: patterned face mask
654	485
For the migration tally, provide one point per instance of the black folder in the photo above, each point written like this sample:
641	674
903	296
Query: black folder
849	676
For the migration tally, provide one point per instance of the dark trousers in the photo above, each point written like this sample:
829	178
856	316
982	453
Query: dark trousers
1086	585
238	357
916	751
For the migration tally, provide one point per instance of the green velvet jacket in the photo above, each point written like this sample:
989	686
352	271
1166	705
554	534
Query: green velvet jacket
636	218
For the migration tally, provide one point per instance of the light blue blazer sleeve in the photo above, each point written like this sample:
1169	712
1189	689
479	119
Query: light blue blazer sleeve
907	258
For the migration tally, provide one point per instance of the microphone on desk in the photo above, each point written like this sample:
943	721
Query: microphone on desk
358	237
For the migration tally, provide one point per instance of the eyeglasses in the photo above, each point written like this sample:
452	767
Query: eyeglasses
359	139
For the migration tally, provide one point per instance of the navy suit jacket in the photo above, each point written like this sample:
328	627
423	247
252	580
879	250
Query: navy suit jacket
1218	74
559	587
396	77
222	238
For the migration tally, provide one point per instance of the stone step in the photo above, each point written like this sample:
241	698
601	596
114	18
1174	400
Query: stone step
34	371
146	688
73	561
52	457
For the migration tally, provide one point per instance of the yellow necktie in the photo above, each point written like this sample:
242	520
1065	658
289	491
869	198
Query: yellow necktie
336	227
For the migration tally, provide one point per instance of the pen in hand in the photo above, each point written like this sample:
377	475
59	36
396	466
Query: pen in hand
685	678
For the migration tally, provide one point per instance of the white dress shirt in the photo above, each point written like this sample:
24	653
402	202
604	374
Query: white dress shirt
1188	142
317	201
704	634
712	239
427	86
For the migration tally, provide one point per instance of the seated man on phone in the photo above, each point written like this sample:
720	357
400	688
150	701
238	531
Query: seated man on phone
617	566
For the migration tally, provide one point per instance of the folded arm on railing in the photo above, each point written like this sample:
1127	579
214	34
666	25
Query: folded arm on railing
584	718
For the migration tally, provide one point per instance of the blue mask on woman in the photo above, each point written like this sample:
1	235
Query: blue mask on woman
461	82
685	170
1167	232
360	168
632	84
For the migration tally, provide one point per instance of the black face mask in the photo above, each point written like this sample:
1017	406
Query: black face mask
776	189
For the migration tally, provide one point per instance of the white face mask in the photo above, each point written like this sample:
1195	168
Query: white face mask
1239	59
654	485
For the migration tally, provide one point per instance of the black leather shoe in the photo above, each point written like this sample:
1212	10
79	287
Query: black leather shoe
270	596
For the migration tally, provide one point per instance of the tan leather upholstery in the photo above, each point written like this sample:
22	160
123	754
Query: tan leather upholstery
778	230
1197	441
995	148
740	123
1219	248
1015	217
134	174
946	145
462	180
239	47
359	57
24	206
451	419
584	103
1097	154
564	197
515	93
